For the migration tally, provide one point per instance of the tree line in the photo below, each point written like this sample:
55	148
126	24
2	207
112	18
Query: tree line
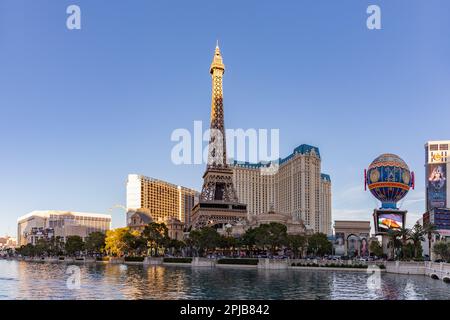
406	244
268	239
56	246
154	240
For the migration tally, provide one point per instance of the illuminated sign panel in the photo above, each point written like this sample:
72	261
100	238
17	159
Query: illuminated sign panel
386	220
437	186
438	154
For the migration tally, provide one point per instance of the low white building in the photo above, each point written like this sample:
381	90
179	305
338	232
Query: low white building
51	223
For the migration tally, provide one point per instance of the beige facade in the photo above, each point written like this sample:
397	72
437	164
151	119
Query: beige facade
160	199
297	189
7	242
325	221
175	229
140	218
294	226
52	223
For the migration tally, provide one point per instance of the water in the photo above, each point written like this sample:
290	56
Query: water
37	280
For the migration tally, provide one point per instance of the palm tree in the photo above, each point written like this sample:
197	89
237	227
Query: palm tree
404	234
417	236
393	236
429	229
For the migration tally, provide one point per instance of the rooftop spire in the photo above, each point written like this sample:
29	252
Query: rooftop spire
217	62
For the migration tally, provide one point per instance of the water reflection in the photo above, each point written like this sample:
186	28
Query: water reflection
26	280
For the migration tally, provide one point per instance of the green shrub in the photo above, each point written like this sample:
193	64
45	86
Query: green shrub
252	262
134	259
177	260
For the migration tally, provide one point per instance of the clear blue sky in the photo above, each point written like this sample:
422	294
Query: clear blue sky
79	110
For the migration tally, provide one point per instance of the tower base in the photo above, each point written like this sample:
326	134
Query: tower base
214	214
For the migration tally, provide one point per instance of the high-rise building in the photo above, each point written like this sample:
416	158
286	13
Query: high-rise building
437	171
298	189
51	223
325	220
219	204
159	199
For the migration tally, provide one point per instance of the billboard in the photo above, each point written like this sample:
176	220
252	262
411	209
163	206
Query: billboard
440	218
339	243
436	186
364	249
385	221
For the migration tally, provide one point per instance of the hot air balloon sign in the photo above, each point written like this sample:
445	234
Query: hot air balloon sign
389	179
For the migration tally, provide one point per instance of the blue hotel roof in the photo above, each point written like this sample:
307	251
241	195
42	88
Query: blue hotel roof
301	149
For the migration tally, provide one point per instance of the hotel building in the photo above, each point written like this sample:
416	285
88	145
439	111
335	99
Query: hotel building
159	199
296	189
47	224
437	173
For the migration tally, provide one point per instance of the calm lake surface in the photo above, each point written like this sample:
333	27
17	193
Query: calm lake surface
36	280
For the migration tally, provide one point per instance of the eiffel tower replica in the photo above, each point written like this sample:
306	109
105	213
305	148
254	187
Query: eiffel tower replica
218	205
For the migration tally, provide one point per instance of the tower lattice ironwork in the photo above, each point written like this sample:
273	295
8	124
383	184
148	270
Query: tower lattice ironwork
218	200
218	178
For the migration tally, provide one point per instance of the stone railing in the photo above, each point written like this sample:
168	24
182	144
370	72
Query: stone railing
116	260
153	261
203	262
212	262
58	259
438	270
273	264
321	262
405	267
431	269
